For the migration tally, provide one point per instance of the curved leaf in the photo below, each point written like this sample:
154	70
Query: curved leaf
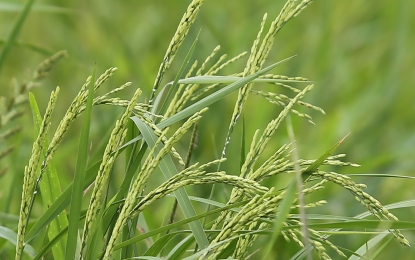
209	100
11	236
370	244
78	183
169	170
181	248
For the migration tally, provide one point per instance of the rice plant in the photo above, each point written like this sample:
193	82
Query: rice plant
267	195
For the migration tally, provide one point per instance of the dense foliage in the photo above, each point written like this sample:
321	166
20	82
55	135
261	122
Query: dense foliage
118	185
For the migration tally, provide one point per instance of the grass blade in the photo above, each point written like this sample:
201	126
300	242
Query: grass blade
312	168
77	191
169	170
128	233
299	184
173	88
370	244
209	100
129	229
364	224
95	242
289	197
284	210
134	167
10	218
32	47
60	204
212	79
15	32
156	248
50	244
181	248
382	247
177	224
402	204
380	175
53	241
243	145
201	252
10	7
11	236
147	258
50	188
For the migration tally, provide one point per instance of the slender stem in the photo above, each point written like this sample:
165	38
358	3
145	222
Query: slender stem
15	31
192	146
299	181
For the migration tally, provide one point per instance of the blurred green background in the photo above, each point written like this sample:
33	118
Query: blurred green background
359	53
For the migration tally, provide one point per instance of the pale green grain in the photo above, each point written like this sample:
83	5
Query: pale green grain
29	180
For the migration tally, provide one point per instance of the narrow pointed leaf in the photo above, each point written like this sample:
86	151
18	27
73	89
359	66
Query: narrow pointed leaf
285	207
370	244
156	248
180	248
77	190
283	211
176	224
211	99
17	27
60	204
50	189
112	209
312	168
169	170
11	236
174	84
228	79
380	175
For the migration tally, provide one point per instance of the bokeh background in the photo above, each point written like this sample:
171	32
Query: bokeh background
359	53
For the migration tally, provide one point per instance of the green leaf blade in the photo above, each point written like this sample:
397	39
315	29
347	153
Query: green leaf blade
209	100
11	236
50	189
169	170
77	192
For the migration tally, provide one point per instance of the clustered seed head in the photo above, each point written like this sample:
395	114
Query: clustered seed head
77	106
158	132
139	109
186	22
117	136
373	205
196	176
191	88
43	69
143	176
263	202
269	131
29	180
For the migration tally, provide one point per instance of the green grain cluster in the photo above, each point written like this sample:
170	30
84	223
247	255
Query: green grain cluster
29	181
111	151
259	203
182	30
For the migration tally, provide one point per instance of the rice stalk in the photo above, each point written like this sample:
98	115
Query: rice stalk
148	168
29	181
183	28
10	107
117	136
258	56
